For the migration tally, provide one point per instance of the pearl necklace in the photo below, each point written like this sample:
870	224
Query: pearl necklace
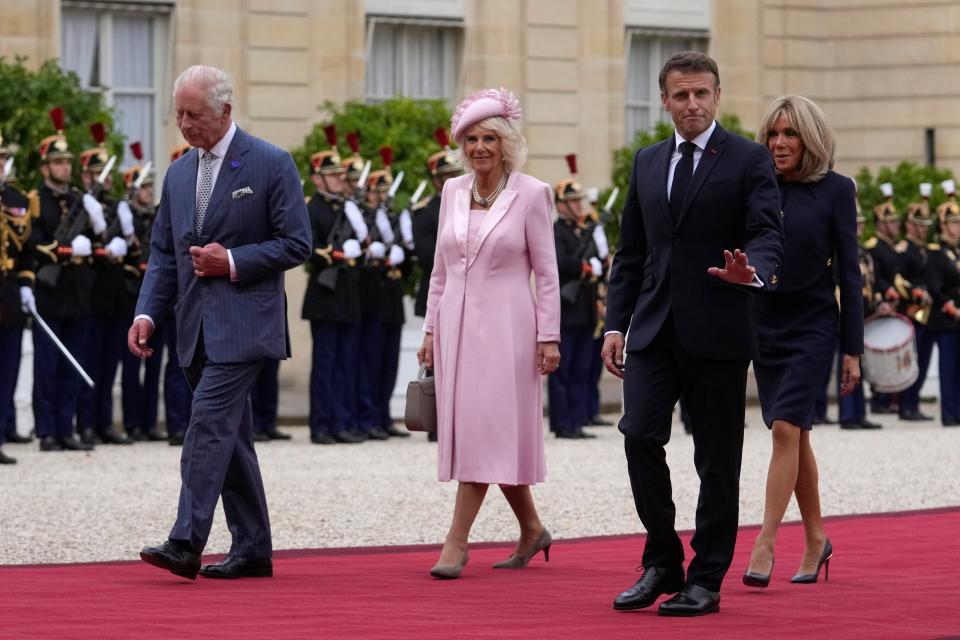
490	199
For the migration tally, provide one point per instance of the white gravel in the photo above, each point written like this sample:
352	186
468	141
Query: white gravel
106	505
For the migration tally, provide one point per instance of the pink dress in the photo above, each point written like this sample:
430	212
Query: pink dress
486	322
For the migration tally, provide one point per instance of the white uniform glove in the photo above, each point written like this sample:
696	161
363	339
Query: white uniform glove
595	267
355	218
117	247
126	218
600	239
383	224
351	249
27	301
377	250
95	211
406	228
396	255
81	246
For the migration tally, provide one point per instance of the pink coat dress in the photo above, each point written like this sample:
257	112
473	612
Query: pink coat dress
486	322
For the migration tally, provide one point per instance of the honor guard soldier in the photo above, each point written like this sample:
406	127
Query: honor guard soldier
915	300
16	295
426	216
139	399
943	283
110	299
381	291
177	396
61	234
886	263
580	269
852	408
331	302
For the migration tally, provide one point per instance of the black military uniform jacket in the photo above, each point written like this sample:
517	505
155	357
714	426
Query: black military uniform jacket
64	283
113	296
321	304
943	284
381	285
574	245
15	219
886	263
913	271
426	222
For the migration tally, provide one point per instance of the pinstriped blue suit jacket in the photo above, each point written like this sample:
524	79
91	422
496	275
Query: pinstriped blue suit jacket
267	232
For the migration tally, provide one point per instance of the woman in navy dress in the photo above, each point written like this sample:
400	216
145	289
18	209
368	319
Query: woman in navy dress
797	322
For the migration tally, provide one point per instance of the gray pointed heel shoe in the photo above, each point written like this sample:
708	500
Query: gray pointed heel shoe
517	561
450	571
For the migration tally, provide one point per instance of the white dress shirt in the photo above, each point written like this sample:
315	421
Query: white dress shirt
219	151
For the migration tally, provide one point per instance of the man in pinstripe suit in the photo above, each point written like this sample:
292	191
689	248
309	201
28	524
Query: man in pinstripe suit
231	220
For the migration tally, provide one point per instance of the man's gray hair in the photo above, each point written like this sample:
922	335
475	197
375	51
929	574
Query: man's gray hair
218	84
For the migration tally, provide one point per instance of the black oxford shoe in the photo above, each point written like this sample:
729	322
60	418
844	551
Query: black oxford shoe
693	600
176	439
234	567
652	584
915	416
171	557
48	443
15	438
275	434
322	438
393	432
348	437
72	444
112	436
376	433
260	436
5	459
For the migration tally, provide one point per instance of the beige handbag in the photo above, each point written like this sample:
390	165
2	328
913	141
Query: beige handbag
421	410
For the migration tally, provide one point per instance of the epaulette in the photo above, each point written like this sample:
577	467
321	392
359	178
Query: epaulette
34	198
421	204
933	246
871	243
901	247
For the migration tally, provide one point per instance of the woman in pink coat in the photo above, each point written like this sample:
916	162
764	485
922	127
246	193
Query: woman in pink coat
489	335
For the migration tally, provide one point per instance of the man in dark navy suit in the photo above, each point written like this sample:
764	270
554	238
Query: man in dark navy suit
231	220
681	284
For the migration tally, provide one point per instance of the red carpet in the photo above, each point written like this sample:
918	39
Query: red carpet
893	576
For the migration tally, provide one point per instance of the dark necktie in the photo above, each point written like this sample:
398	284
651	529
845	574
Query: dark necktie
681	179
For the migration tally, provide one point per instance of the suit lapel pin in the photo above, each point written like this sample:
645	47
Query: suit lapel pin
713	151
235	163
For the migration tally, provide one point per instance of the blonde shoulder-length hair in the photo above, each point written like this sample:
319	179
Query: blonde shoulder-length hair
512	143
816	134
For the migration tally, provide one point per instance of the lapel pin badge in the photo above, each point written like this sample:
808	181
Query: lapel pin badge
235	164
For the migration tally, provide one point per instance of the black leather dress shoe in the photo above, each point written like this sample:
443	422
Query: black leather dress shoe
652	584
136	434
567	435
851	425
598	421
260	436
72	444
915	416
5	459
359	435
156	436
175	439
112	436
274	434
393	432
347	437
15	438
88	436
432	436
583	435
239	567
322	438
171	557
376	433
49	444
866	424
693	600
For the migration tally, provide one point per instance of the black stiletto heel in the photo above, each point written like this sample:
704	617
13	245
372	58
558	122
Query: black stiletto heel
810	578
761	580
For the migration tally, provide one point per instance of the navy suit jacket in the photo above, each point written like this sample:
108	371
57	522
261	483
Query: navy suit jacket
731	203
267	232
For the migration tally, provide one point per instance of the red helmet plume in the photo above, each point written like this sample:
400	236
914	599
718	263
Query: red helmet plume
386	154
331	131
56	116
137	150
99	133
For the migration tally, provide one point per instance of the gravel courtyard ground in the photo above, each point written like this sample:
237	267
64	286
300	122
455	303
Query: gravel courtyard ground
105	505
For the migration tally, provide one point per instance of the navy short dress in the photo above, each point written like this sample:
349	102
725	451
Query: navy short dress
797	321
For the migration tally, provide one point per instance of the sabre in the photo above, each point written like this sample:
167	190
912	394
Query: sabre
106	170
62	348
7	168
611	200
143	175
396	185
419	192
361	189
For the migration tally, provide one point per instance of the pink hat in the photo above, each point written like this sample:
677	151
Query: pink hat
484	104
